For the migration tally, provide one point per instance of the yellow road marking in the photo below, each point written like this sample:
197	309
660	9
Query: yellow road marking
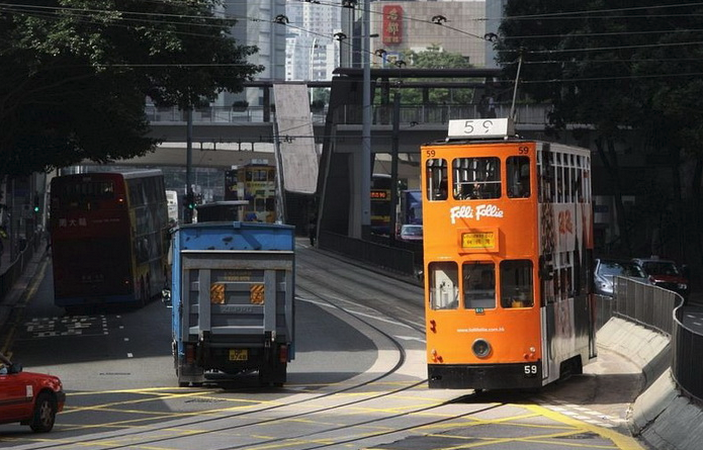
621	441
160	397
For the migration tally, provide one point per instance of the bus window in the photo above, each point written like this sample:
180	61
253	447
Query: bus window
479	285
518	168
444	285
516	284
476	178
436	176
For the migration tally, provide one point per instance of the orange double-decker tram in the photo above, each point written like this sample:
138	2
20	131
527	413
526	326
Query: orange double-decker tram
508	241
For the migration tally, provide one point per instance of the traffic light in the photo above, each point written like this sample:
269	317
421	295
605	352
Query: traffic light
189	207
36	205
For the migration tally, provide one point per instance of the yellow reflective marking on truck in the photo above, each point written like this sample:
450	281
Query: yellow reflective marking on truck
256	294
217	294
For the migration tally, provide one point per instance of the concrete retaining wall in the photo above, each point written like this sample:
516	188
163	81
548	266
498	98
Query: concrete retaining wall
661	417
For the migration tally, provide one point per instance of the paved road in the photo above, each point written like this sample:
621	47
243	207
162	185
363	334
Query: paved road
693	318
358	381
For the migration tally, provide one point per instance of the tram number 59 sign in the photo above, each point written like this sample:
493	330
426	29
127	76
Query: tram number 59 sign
530	370
480	128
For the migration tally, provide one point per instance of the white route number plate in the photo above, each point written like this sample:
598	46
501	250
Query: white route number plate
480	128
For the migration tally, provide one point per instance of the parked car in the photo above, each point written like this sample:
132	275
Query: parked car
29	398
664	273
411	232
607	269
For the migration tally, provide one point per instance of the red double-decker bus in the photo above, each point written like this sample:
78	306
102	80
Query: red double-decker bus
109	238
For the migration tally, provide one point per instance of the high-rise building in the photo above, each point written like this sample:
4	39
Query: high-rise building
312	51
257	26
452	26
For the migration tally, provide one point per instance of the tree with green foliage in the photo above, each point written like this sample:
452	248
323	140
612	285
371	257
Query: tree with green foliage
435	57
623	69
75	75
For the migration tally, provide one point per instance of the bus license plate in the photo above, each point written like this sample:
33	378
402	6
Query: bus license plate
238	354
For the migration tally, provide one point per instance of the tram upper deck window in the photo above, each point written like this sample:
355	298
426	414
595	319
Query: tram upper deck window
516	284
444	285
479	285
476	178
518	169
436	179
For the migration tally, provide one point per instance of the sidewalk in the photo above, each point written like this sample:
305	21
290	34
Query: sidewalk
18	289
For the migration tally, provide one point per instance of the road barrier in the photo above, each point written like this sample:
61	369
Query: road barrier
661	310
387	257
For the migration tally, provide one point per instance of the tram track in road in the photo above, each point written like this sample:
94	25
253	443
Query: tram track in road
358	284
141	437
378	409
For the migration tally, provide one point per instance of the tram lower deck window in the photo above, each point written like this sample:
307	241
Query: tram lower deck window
516	284
444	285
479	285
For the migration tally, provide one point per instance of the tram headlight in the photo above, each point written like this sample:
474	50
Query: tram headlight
481	348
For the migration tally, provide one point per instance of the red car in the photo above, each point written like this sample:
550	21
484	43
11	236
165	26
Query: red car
29	398
665	274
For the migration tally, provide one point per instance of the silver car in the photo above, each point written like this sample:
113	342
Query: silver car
607	269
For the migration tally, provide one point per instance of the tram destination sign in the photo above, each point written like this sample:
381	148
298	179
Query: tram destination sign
480	128
478	240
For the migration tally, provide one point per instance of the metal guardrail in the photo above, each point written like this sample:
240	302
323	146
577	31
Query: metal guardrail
687	351
380	255
605	309
663	311
647	305
535	114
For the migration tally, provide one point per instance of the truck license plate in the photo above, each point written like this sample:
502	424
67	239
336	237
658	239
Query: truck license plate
238	354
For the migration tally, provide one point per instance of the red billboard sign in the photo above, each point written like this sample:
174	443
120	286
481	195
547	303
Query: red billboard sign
392	24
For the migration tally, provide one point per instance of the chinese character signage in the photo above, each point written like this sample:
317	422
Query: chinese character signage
392	24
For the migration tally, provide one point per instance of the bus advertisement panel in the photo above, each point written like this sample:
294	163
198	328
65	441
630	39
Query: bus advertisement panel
109	238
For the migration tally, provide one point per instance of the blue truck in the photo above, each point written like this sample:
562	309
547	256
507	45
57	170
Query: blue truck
232	299
410	207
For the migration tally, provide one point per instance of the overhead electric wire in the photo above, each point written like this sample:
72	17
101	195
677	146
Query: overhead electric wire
614	33
136	17
239	18
560	15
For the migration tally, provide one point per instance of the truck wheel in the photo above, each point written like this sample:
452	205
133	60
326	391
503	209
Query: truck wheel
44	414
